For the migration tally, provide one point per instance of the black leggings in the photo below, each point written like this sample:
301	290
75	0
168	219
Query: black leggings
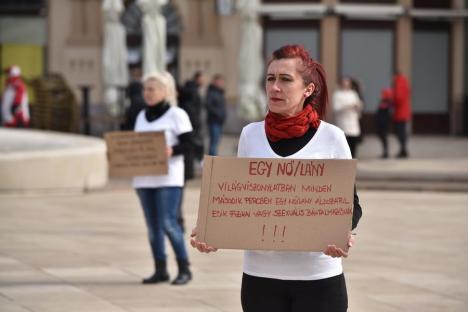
401	132
260	294
352	142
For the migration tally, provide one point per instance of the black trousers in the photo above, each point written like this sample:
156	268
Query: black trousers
353	141
401	132
260	294
382	127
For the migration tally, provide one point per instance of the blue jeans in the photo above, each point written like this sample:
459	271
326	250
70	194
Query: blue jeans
215	130
160	206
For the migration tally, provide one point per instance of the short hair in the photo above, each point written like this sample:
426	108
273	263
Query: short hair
197	74
155	76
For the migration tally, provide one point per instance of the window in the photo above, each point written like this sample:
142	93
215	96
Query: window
432	4
290	1
369	1
22	7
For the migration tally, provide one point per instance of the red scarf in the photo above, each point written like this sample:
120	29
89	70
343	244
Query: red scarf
278	127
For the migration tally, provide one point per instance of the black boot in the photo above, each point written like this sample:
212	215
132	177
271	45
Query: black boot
402	154
160	275
184	275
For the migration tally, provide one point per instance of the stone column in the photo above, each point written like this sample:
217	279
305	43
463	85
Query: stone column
404	34
329	50
457	61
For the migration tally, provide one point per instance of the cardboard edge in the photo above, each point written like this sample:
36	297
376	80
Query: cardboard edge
108	137
353	162
205	192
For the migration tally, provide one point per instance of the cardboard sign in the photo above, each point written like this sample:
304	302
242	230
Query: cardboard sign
136	153
276	204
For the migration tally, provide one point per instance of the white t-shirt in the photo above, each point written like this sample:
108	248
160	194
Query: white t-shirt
174	122
346	112
328	142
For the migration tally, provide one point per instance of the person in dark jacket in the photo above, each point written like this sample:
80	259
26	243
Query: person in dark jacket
383	118
215	104
135	94
190	100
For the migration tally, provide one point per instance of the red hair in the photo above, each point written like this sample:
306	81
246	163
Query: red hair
310	71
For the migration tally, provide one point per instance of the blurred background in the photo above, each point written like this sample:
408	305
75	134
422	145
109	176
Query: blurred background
368	40
74	239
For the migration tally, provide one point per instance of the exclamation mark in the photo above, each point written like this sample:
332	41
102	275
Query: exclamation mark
263	232
274	233
284	230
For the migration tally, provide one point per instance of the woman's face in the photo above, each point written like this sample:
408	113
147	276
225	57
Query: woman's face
285	87
153	92
346	84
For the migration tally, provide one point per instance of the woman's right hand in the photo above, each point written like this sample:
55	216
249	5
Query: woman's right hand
201	246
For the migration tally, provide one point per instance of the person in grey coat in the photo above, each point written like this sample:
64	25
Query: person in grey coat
215	104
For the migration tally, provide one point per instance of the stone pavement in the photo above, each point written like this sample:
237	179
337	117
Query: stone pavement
88	252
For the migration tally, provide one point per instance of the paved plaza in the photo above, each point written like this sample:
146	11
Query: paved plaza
89	251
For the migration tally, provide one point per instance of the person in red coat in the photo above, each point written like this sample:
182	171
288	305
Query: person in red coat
15	103
401	111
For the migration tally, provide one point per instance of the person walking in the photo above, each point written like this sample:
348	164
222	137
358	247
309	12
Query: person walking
402	111
215	104
347	108
160	196
383	116
285	281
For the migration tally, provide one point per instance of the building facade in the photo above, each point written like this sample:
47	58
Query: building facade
366	39
370	40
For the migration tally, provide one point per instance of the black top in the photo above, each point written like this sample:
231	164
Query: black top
287	147
215	104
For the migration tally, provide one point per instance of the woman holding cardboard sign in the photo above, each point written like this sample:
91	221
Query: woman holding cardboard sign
160	195
297	100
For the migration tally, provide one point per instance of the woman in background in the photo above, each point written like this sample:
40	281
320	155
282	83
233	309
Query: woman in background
160	196
347	108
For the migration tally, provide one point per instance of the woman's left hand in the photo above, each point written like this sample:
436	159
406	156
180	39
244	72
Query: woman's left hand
336	252
168	151
201	246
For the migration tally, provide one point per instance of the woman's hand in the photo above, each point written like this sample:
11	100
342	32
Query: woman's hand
201	246
169	151
336	252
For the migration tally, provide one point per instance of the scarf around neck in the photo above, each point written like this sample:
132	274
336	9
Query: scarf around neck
154	112
278	127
